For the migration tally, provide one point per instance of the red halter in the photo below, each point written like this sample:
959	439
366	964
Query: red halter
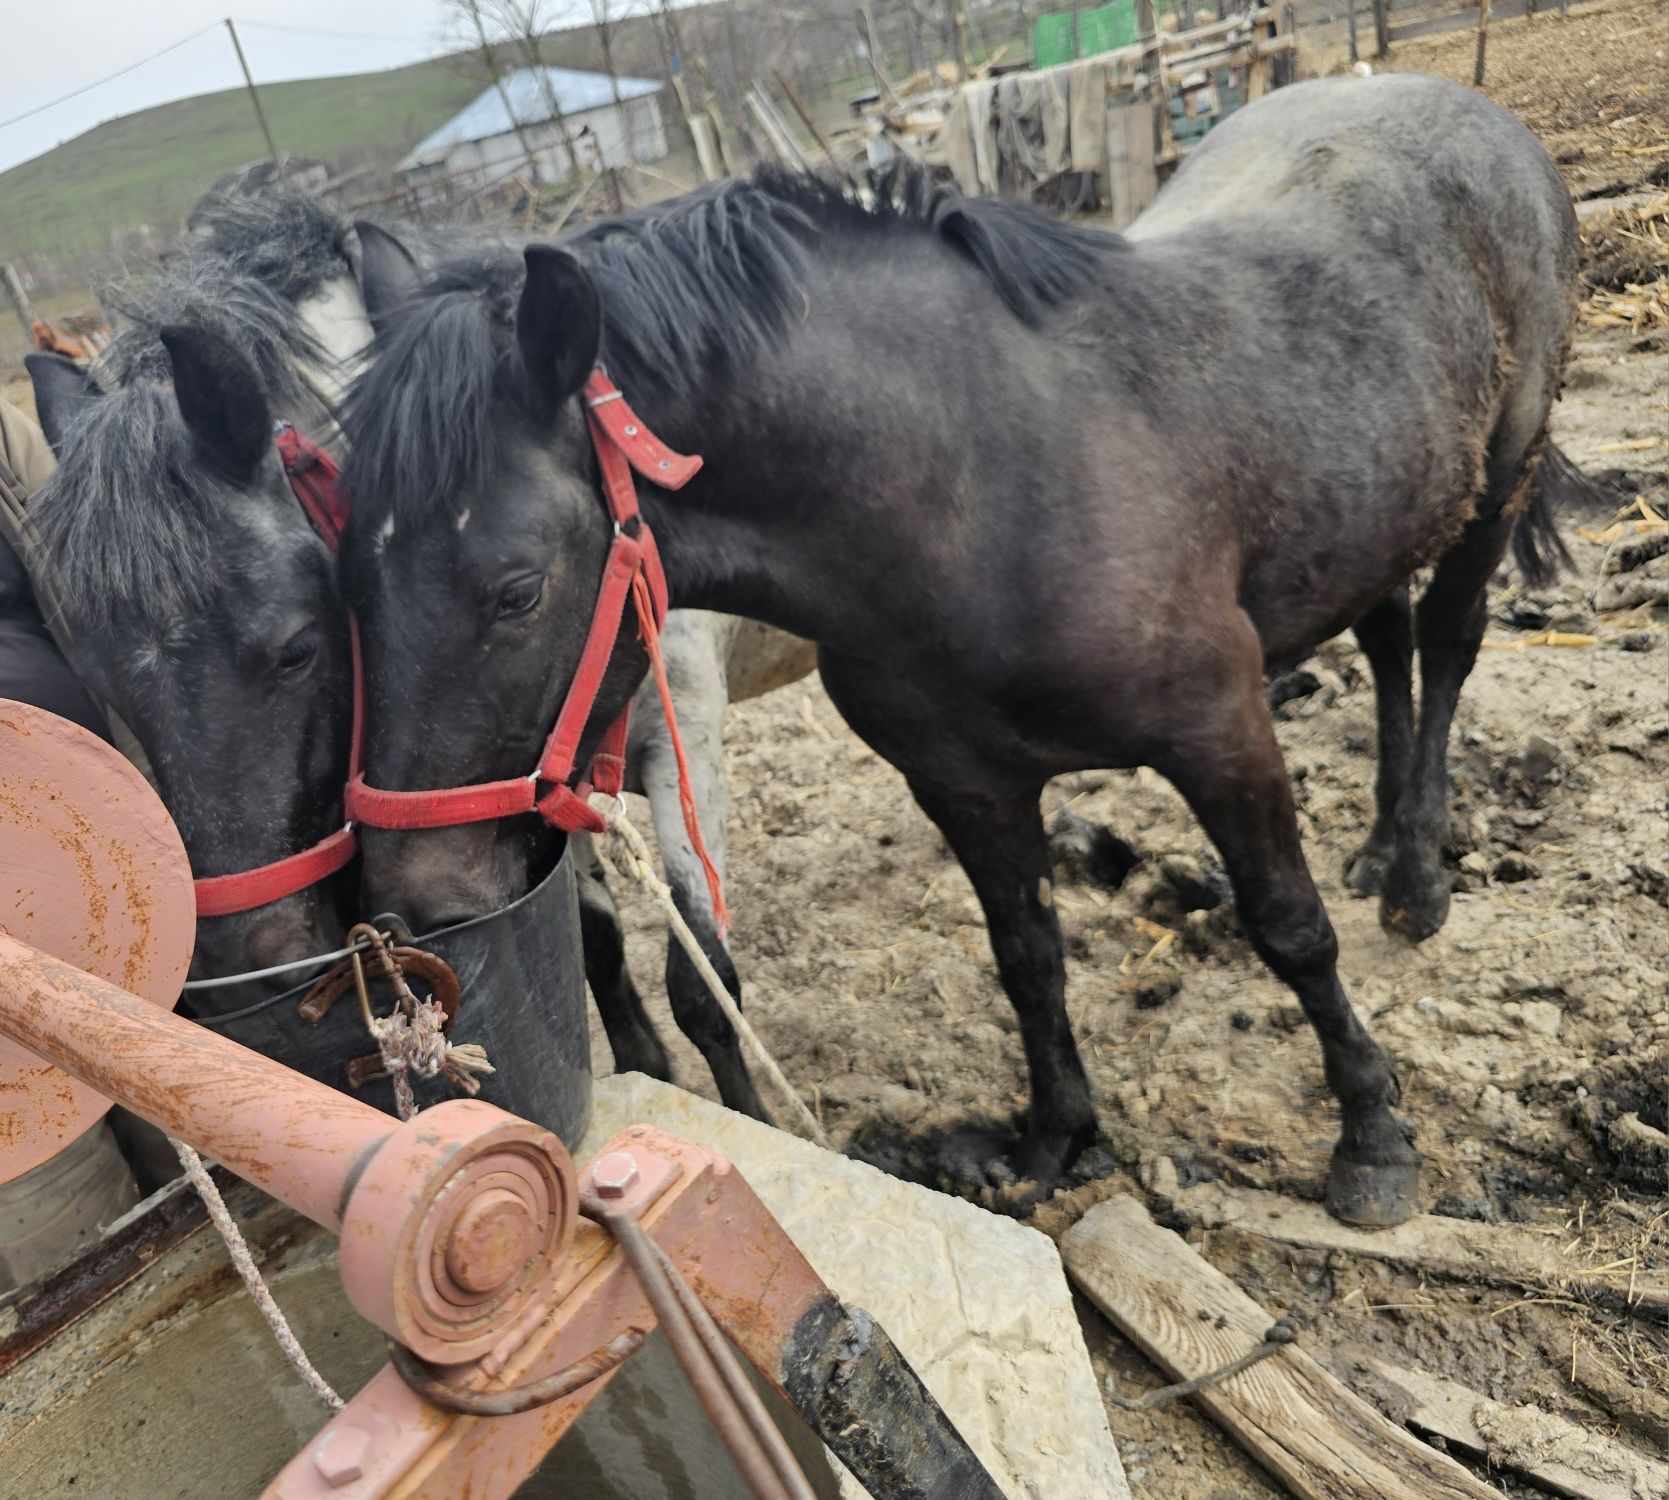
313	477
623	444
631	572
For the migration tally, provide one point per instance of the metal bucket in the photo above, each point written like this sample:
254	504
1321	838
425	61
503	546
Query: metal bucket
523	987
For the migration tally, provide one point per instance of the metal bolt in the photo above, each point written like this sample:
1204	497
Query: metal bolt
666	463
613	1174
492	1238
629	430
341	1455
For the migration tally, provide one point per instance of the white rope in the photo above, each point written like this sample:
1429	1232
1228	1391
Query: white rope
238	1248
637	862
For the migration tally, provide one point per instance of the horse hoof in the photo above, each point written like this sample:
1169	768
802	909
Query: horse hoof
1415	917
1366	869
1375	1195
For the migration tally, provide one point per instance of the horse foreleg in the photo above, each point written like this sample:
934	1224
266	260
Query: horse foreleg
1386	635
1228	766
701	699
998	837
631	1034
1450	627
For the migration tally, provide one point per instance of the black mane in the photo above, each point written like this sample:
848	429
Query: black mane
289	241
126	523
689	287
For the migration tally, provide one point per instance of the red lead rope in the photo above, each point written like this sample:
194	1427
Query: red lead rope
633	570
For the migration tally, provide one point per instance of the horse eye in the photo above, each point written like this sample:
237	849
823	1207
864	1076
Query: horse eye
519	597
298	652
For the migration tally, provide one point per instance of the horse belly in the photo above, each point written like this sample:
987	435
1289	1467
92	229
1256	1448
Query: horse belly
762	659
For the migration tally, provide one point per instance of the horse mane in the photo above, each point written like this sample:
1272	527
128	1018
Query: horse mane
288	240
689	286
125	524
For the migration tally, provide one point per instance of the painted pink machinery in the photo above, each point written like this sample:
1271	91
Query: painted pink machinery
509	1285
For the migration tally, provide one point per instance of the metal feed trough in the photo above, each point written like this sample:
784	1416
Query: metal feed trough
508	1288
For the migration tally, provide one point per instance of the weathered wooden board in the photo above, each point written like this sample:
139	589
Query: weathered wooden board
1132	179
1314	1435
1500	1254
1556	1454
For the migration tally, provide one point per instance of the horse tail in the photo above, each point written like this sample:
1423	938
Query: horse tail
1557	485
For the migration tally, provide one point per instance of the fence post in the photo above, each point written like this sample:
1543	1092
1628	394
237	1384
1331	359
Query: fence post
1381	28
1483	41
1350	27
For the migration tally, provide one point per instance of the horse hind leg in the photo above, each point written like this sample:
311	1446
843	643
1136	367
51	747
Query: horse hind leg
702	698
1449	626
1386	635
631	1034
1227	765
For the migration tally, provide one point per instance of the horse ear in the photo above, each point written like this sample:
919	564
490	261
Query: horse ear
388	272
221	399
62	389
559	324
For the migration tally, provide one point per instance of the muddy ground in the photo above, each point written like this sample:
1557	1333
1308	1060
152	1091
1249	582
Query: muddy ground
1525	1031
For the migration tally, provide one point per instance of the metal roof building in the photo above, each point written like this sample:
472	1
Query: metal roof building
482	144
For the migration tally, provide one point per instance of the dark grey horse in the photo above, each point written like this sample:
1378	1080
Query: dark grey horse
201	606
1046	499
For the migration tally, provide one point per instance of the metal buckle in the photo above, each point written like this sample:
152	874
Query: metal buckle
593	402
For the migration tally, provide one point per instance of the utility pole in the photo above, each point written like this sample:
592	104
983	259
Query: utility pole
255	99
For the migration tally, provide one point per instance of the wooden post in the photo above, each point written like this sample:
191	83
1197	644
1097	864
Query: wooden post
1381	28
812	125
1350	27
13	284
255	99
1483	41
957	36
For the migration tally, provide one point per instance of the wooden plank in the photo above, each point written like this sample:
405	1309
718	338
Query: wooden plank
1132	179
1318	1438
1500	1254
1556	1454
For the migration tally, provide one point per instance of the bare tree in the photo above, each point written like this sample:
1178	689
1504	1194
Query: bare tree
524	23
472	15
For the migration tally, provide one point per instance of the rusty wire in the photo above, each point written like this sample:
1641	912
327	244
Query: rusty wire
761	1457
511	1401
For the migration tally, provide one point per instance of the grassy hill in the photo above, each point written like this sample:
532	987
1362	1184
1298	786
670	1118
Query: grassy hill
149	167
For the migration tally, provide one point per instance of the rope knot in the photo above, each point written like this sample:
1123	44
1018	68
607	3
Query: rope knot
416	1046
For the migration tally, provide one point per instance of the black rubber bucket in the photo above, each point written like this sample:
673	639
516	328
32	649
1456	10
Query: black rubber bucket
523	1000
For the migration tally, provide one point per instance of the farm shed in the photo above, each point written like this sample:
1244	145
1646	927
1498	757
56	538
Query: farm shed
548	109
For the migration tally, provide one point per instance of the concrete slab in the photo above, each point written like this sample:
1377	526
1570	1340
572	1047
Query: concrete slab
977	1303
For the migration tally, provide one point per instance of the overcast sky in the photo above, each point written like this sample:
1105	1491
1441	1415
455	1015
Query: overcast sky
51	47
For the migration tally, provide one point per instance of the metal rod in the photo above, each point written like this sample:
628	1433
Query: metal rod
255	99
735	1377
297	1139
758	1472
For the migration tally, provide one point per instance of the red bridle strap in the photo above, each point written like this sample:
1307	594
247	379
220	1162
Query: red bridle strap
314	479
622	444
